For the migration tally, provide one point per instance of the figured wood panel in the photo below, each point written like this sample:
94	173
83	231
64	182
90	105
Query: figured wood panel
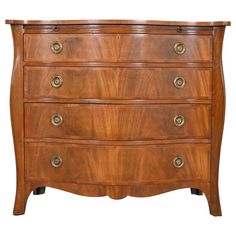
117	122
116	83
117	48
117	164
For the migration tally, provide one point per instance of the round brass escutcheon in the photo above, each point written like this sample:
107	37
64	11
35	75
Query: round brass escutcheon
179	120
56	120
179	82
179	48
56	47
178	162
57	81
56	161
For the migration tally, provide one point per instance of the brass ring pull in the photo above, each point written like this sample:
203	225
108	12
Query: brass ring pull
56	161
179	120
179	82
178	162
56	120
57	81
179	48
56	47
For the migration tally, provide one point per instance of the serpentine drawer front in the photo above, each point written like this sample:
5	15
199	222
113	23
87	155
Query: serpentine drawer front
116	122
117	165
117	48
116	83
117	107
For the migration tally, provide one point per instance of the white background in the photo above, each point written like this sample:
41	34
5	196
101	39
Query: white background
62	213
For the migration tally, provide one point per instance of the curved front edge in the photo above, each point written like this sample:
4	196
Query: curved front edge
17	110
218	114
122	191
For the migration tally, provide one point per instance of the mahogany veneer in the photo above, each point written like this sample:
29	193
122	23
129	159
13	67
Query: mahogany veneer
116	122
116	48
115	83
117	165
117	107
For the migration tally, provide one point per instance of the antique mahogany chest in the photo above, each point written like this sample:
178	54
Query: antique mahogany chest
117	107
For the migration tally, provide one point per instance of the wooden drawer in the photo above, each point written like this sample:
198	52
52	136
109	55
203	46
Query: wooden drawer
117	164
116	122
116	48
116	83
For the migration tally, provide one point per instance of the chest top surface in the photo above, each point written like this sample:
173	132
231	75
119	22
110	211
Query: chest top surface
117	22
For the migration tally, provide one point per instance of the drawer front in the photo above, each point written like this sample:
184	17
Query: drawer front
117	122
117	48
116	83
116	164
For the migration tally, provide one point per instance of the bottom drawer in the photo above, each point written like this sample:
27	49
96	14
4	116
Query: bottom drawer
115	165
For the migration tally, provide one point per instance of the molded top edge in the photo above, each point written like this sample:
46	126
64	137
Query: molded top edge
117	22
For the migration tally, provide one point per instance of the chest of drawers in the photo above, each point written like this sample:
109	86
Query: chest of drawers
117	108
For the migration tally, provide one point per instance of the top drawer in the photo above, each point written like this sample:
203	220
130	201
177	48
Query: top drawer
48	48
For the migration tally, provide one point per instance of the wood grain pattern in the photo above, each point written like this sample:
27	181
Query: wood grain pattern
118	142
117	22
117	165
116	83
121	191
218	114
117	122
117	29
200	64
17	118
118	102
117	48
